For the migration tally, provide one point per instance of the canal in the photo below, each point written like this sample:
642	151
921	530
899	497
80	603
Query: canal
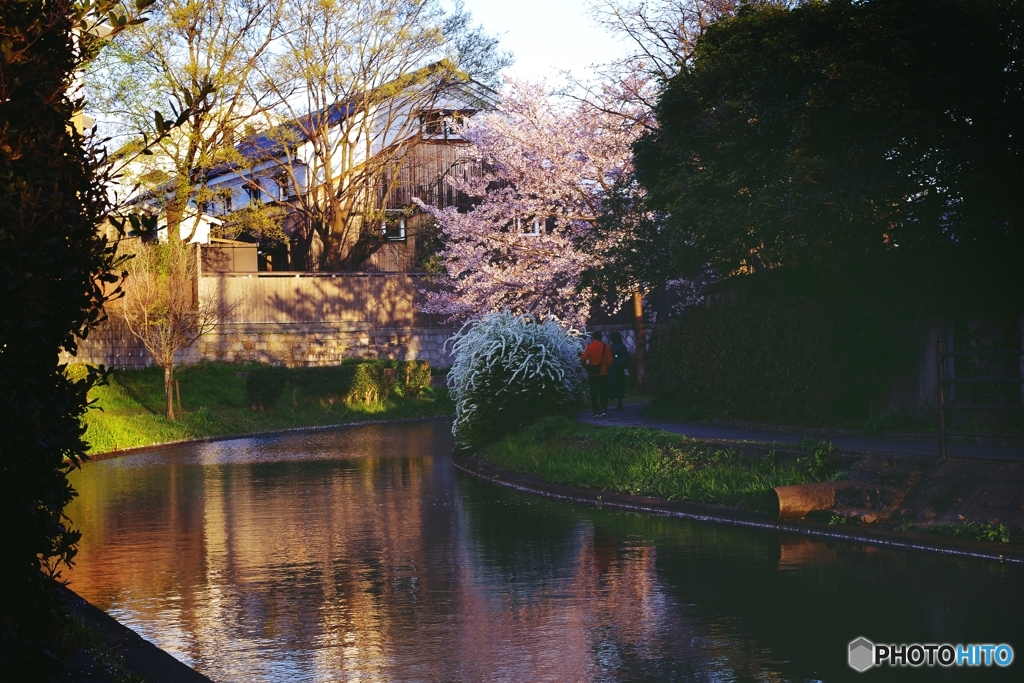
361	554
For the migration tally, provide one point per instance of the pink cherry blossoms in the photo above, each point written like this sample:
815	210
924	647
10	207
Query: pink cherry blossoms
547	169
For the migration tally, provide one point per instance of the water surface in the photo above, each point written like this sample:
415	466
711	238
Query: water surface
361	555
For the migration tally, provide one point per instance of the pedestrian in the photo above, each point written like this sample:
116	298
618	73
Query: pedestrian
597	358
617	373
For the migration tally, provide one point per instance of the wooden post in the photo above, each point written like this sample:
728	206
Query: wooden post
640	341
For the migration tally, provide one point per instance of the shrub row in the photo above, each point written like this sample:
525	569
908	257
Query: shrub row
364	381
789	360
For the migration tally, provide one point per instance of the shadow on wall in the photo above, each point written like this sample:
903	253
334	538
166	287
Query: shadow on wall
383	301
321	319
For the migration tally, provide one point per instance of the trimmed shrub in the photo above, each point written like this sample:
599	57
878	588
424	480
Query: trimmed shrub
413	377
358	382
787	360
371	382
264	385
509	371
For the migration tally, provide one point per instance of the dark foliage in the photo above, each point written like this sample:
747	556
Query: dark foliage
356	380
51	202
363	382
878	136
775	359
264	385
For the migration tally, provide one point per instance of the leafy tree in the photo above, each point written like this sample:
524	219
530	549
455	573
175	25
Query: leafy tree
350	82
847	137
189	52
663	36
58	265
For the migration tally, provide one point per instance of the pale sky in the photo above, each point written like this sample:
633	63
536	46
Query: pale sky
547	36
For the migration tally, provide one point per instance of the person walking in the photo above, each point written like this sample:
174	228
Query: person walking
617	372
597	358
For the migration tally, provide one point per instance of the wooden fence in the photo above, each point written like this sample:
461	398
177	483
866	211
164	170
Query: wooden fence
384	301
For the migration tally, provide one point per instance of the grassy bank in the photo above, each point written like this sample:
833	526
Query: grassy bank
213	401
651	463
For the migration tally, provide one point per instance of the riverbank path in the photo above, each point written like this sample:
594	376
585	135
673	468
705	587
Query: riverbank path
918	445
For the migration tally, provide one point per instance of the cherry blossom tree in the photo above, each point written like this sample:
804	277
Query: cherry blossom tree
544	171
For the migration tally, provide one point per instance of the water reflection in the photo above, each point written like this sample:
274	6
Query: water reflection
361	555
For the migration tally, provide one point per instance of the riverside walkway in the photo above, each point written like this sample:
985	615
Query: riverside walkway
915	445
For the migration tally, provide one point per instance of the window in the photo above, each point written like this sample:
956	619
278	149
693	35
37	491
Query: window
443	123
393	229
254	192
283	187
529	226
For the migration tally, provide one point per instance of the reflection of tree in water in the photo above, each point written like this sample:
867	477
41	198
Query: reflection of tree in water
353	554
592	595
635	597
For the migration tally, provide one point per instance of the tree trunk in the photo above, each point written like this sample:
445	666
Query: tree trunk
169	390
175	214
640	341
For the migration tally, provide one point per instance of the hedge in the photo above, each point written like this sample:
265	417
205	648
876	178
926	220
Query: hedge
413	376
353	381
789	360
264	385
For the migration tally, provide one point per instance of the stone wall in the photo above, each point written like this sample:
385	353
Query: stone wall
110	344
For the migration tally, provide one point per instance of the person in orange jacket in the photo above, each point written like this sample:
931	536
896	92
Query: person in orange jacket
597	358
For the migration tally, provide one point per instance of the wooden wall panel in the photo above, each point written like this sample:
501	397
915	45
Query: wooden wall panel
382	301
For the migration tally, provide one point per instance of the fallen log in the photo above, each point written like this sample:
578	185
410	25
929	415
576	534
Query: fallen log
794	502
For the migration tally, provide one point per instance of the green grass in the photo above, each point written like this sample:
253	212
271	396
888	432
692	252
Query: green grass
651	463
130	410
978	531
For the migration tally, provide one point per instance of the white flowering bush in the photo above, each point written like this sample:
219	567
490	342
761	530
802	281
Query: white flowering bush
510	370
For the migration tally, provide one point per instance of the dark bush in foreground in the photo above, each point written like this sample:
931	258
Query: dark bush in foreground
56	270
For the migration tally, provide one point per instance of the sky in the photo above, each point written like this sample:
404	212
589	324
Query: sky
547	36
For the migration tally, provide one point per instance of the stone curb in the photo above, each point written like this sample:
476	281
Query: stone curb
478	467
141	657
